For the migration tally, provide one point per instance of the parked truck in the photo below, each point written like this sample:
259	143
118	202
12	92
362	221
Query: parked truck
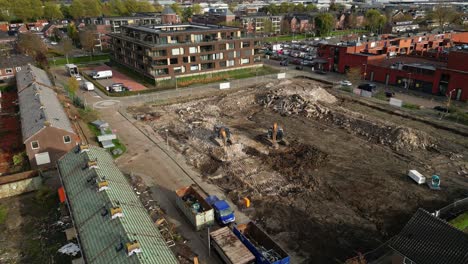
230	248
265	249
223	212
191	202
72	69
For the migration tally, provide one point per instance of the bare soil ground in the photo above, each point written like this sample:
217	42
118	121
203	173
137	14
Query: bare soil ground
10	132
339	186
30	231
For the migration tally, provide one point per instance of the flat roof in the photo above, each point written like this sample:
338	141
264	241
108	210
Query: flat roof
178	28
410	61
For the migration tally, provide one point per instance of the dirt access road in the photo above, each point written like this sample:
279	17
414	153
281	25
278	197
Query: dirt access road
339	186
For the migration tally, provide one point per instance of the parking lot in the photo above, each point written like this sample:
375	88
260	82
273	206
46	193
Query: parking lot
118	77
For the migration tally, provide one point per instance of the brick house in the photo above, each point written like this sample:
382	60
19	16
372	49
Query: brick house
46	130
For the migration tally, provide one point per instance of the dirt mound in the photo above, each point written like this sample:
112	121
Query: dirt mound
290	102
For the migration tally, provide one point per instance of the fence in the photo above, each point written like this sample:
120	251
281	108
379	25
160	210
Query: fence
453	210
19	183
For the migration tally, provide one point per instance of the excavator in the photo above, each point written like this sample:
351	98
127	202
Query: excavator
222	136
276	135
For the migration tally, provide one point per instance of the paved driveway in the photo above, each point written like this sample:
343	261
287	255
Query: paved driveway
118	77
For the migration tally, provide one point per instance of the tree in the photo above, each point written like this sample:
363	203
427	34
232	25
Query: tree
324	23
197	9
375	20
92	8
232	6
67	47
118	8
65	11
267	26
187	14
145	6
131	6
300	8
32	45
73	86
52	11
336	7
27	10
76	9
442	14
177	9
6	10
350	21
72	32
157	7
88	40
285	27
311	8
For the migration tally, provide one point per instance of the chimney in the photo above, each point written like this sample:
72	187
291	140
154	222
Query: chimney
116	212
133	248
84	148
103	185
92	164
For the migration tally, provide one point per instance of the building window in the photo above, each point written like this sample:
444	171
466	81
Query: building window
245	44
246	53
193	59
9	71
66	139
185	59
162	71
222	46
231	46
180	69
222	64
174	61
193	50
35	144
178	51
193	67
245	61
198	38
230	63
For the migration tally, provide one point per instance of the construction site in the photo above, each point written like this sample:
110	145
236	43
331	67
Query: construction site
326	173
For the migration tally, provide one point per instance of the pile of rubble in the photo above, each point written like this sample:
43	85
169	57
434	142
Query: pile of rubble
308	102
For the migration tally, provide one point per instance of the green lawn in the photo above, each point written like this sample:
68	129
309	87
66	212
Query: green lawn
79	60
461	222
411	106
219	77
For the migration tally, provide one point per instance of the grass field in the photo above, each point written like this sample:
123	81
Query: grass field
461	222
79	60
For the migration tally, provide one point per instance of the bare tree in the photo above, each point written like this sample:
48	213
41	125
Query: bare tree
88	40
67	47
354	75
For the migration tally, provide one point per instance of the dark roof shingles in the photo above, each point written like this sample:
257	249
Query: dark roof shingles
431	240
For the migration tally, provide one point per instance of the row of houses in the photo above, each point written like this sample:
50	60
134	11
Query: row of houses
430	63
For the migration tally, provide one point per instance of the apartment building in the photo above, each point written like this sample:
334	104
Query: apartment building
255	23
167	51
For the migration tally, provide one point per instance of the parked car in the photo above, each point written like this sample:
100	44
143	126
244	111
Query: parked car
78	77
284	63
53	43
320	72
367	87
346	83
87	86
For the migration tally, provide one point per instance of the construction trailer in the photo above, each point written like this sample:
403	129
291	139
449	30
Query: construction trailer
265	249
191	201
230	248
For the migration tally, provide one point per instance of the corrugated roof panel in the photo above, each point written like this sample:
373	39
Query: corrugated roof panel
100	235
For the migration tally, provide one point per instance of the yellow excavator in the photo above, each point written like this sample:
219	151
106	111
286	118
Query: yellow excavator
222	136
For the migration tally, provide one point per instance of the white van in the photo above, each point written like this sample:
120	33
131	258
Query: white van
102	74
87	86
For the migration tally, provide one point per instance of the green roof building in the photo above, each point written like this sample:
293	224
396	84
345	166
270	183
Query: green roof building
112	224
